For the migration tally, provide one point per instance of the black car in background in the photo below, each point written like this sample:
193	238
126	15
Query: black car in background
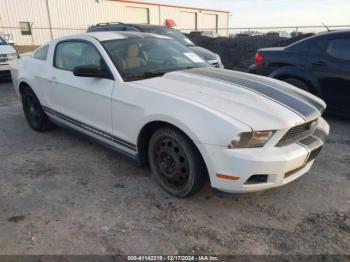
319	65
210	57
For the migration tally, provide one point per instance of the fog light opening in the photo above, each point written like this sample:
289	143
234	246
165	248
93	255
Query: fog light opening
257	179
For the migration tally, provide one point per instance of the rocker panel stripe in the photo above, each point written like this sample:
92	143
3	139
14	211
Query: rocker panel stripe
91	129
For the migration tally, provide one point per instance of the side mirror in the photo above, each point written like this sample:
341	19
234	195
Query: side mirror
90	71
11	42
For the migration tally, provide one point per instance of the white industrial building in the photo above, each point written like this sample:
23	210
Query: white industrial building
33	22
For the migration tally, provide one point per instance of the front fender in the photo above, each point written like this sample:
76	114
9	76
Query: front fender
199	125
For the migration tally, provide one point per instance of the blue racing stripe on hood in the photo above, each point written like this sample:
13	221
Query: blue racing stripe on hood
285	96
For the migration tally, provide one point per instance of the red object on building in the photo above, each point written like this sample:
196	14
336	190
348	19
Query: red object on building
169	23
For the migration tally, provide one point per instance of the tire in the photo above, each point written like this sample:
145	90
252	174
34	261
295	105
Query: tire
297	83
175	163
34	113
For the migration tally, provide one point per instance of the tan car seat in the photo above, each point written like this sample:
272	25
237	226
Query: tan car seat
132	58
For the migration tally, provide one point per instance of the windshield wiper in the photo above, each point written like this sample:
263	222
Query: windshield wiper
145	75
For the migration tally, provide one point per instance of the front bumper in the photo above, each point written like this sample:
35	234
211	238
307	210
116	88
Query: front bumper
5	71
5	67
231	170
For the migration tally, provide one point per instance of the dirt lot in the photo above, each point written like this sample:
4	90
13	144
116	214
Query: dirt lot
61	194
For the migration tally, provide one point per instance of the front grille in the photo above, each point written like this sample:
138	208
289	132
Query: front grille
297	133
314	154
3	58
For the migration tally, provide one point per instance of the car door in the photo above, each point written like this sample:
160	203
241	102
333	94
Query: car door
82	102
330	64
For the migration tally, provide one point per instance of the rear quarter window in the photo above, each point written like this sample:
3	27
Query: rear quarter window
41	53
339	48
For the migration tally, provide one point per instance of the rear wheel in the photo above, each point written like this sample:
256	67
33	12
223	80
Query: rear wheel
297	83
34	113
175	163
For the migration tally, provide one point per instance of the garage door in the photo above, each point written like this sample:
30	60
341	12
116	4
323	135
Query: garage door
137	15
210	22
188	20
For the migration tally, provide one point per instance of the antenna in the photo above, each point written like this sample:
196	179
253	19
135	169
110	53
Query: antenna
326	27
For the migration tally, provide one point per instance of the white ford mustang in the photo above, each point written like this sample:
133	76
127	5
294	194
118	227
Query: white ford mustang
156	101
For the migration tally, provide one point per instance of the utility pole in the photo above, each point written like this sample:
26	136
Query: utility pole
49	17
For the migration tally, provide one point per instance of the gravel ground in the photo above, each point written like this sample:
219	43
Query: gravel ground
62	194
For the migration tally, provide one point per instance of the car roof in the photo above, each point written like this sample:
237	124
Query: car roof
327	34
138	26
112	35
320	36
105	36
335	32
146	26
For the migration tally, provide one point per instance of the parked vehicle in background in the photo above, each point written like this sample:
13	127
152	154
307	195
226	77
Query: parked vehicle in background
319	65
279	34
247	33
7	54
158	102
210	57
209	34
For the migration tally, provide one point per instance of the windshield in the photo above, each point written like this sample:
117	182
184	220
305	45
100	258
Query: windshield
141	58
2	41
173	33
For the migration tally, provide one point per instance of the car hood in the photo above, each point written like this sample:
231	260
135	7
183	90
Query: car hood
204	53
7	49
259	102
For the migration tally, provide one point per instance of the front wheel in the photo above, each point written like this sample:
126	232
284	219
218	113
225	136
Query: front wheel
175	163
34	113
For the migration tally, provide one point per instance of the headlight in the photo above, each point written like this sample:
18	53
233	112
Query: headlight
251	139
219	59
12	56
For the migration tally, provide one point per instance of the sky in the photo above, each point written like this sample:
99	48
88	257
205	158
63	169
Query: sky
256	13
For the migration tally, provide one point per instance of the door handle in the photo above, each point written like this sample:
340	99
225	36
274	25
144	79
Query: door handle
319	63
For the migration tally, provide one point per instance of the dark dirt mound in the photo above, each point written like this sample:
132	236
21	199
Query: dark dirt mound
238	53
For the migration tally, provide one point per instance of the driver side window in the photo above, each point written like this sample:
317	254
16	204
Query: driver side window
70	54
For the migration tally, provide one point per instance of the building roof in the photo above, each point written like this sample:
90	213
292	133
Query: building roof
169	5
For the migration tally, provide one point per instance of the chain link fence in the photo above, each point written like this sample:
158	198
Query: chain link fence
235	45
282	31
40	35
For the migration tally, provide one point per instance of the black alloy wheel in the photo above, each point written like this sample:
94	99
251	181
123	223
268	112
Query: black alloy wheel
35	115
175	162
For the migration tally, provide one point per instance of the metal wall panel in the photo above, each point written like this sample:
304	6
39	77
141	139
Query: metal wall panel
210	22
15	11
188	21
139	15
54	18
